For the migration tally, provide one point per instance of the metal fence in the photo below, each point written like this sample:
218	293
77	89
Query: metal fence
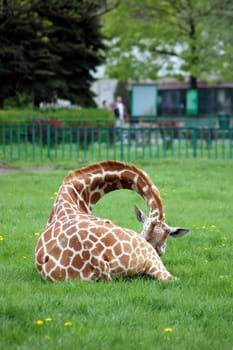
40	142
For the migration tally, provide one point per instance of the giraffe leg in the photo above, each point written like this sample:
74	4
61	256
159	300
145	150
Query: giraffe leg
160	273
101	268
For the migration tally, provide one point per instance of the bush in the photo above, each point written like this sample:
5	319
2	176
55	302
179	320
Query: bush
69	117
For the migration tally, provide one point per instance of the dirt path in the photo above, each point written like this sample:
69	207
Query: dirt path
6	169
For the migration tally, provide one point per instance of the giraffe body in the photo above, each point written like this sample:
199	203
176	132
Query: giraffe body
99	252
78	245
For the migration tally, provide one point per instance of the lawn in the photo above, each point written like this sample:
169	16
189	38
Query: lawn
192	313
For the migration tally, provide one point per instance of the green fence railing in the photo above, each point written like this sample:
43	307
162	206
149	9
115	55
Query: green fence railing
40	142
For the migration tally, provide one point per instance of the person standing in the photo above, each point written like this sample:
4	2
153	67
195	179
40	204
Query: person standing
105	105
120	112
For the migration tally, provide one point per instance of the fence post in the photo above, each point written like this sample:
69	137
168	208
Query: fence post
4	142
121	143
48	137
194	142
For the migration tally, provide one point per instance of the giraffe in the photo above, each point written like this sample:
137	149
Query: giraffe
78	245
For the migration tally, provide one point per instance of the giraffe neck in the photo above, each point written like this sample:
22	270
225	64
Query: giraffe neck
83	188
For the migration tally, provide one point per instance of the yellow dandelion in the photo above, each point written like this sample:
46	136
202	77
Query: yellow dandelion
24	257
39	322
2	238
36	233
168	329
48	319
55	193
51	197
68	323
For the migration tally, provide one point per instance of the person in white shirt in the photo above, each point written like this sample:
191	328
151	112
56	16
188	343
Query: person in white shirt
120	112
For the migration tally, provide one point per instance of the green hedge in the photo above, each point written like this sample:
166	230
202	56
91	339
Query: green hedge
69	117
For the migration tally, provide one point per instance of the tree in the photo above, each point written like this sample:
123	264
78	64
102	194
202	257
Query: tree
49	48
74	36
176	38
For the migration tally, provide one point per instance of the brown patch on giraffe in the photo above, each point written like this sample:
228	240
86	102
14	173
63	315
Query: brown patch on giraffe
71	230
49	265
77	261
117	249
99	248
88	244
126	246
66	257
58	273
110	187
110	240
81	225
159	274
85	255
66	196
56	251
62	239
108	254
140	260
133	259
73	273
129	175
75	243
87	179
94	184
88	270
94	230
118	269
39	245
141	183
65	226
93	238
125	260
48	235
85	196
57	229
117	231
94	261
82	207
82	234
95	197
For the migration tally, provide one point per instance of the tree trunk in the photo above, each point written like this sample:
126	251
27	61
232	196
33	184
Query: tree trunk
1	102
36	101
193	82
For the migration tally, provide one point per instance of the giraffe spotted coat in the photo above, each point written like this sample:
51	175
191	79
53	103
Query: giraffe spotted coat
79	245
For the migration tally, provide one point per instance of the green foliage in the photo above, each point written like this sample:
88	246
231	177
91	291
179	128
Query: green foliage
49	49
68	116
190	38
192	313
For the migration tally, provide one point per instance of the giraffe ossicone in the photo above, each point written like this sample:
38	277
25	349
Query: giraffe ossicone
78	245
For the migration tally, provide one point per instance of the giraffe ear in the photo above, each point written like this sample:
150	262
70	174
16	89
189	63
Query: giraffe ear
140	215
177	232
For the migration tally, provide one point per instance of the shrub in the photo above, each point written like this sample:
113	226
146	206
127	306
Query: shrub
69	117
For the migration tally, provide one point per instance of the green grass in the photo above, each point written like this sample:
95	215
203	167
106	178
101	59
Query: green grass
28	152
130	313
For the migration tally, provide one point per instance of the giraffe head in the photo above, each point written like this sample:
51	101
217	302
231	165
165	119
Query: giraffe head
156	231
